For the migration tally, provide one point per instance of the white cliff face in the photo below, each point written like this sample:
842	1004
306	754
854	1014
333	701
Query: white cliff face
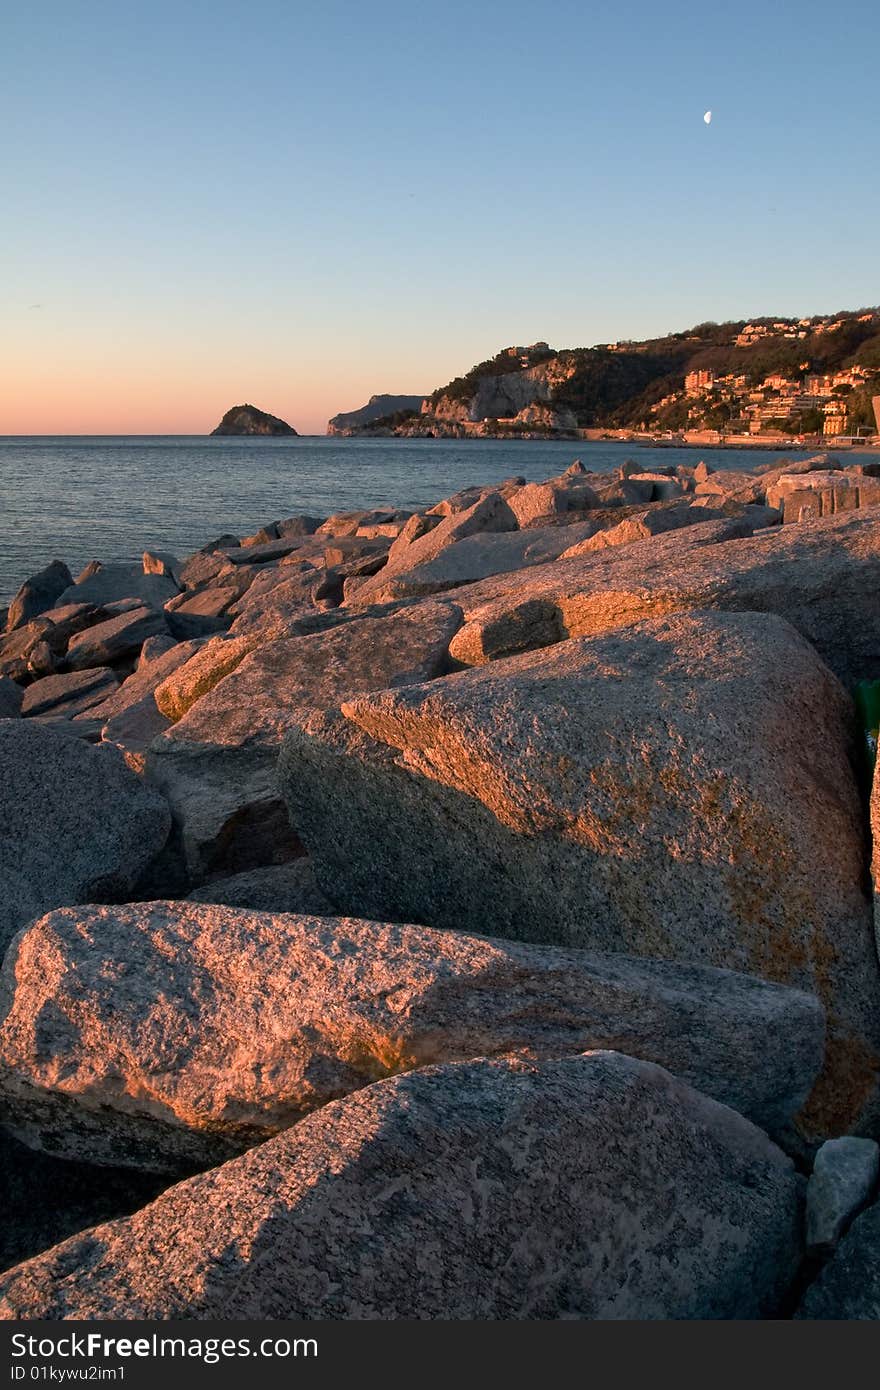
506	395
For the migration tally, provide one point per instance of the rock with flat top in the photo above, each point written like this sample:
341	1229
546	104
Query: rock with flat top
569	492
475	557
202	613
68	694
739	521
107	583
736	486
118	639
592	1186
680	789
75	824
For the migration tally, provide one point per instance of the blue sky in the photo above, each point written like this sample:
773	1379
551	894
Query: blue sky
301	204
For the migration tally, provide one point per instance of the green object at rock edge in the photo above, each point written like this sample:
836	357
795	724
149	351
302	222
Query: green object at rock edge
867	698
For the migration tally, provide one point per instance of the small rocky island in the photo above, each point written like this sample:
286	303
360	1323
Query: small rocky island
460	914
247	419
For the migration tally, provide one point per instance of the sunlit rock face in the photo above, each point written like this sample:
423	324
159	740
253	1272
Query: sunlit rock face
168	1036
593	1186
681	789
821	577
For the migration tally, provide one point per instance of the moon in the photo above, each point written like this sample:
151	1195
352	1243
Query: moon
708	118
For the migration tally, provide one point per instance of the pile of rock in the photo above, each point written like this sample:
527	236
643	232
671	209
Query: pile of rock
480	894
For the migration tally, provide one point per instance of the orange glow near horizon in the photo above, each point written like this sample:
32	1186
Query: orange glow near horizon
77	402
56	382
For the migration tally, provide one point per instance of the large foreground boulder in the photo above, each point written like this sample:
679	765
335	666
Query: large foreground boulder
217	764
680	789
594	1186
170	1036
75	824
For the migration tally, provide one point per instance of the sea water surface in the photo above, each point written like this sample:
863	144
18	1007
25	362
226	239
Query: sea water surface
109	498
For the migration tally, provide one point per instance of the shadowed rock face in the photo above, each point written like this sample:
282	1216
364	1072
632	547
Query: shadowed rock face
290	887
377	407
37	594
77	825
45	1200
680	789
217	765
111	583
247	419
848	1288
168	1036
487	1189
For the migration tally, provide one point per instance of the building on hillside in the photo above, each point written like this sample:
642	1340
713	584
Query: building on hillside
819	385
835	418
752	333
697	382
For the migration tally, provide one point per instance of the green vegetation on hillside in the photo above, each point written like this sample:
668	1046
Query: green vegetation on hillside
633	384
463	387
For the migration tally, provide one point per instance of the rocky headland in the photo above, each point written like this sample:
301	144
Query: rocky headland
456	914
376	416
247	419
771	379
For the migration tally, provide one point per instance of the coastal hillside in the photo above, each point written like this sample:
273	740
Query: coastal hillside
766	376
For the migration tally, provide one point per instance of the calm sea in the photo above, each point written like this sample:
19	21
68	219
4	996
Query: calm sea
108	498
